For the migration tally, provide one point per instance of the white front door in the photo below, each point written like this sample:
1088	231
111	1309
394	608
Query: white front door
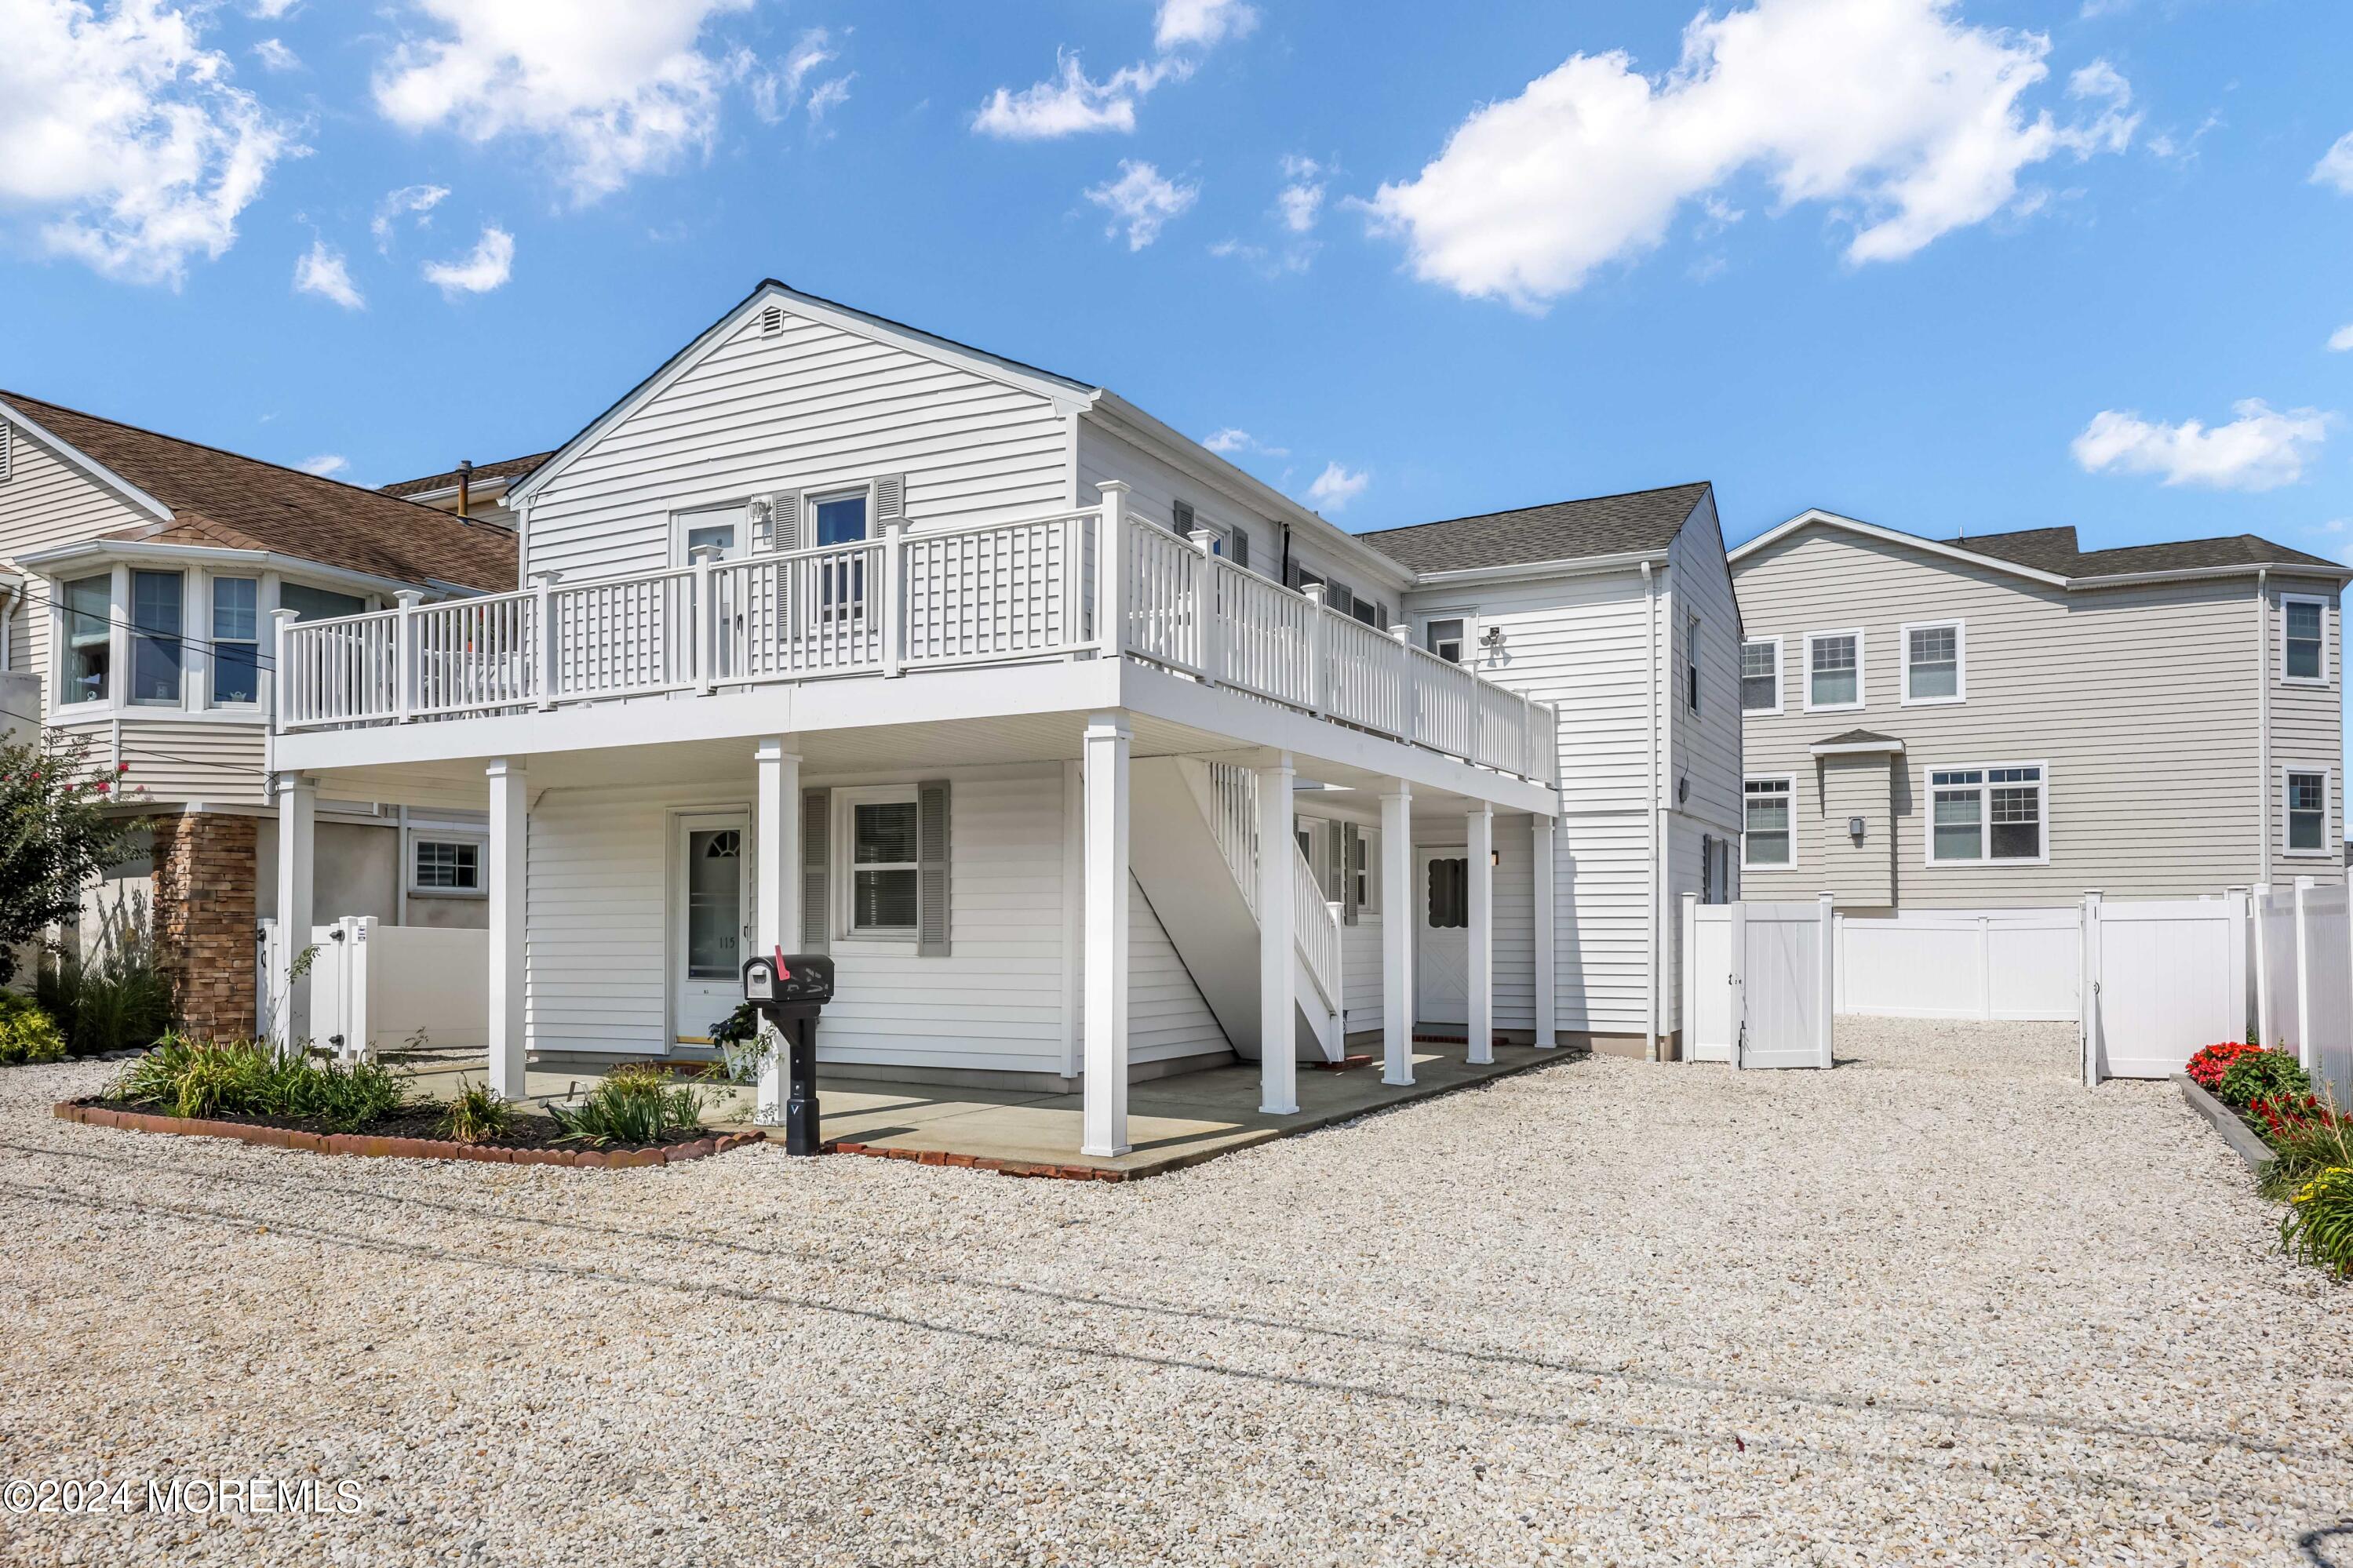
709	918
1442	943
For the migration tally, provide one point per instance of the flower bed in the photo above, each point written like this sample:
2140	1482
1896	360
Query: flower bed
2311	1143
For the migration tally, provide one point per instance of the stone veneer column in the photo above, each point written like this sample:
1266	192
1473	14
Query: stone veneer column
205	914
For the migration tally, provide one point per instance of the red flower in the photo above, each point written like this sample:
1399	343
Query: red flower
2207	1068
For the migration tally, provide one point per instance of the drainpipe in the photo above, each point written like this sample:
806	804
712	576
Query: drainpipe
2264	718
400	869
465	484
1653	884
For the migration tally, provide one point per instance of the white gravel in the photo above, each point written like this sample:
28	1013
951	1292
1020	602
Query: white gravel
1939	1305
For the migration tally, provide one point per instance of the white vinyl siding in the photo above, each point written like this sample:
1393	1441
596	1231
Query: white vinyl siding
1834	664
1936	662
810	407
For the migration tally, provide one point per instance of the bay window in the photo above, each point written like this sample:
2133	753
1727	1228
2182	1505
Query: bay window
90	640
237	639
1987	814
318	603
158	656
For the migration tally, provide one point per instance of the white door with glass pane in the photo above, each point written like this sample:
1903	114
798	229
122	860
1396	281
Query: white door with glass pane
709	918
1442	940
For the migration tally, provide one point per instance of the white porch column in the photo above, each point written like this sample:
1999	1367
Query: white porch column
775	899
1400	911
510	817
1540	837
1104	1094
1481	984
1278	1042
297	805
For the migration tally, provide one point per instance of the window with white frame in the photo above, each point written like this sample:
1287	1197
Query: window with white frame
1933	662
2306	808
88	665
2304	644
885	875
445	866
1691	664
1833	670
1987	814
840	519
237	639
158	656
1443	636
1760	676
1767	838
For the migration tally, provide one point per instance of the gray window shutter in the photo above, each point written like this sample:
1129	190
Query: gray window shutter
1336	594
1293	576
1335	847
785	520
1180	512
933	895
890	499
1241	549
817	858
1352	850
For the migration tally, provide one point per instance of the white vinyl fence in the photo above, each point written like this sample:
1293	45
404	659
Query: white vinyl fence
2303	967
2018	965
375	987
1759	983
2162	979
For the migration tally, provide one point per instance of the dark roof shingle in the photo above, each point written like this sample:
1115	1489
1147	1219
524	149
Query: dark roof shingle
510	469
1561	531
224	499
2054	550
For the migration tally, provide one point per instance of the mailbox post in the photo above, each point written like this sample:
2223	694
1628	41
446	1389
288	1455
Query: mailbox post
790	990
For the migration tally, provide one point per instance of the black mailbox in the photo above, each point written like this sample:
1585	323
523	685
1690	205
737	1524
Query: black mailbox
790	990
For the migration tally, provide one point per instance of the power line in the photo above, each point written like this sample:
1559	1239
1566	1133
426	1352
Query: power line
261	660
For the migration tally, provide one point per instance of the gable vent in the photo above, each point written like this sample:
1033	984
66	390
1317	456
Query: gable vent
772	321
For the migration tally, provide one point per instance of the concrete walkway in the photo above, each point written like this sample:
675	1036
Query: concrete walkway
1174	1121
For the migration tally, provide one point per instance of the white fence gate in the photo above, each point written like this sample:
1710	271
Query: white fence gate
374	987
2162	978
1759	987
2019	964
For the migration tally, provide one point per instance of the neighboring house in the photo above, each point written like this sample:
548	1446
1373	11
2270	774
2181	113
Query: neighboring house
474	491
2007	720
840	635
141	582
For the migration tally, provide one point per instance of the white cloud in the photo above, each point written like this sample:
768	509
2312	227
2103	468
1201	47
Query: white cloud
776	93
1335	487
1071	102
326	465
271	10
2341	339
419	200
487	266
1201	23
1142	202
121	135
2336	166
322	270
1300	202
1230	442
615	88
2262	449
1906	121
275	56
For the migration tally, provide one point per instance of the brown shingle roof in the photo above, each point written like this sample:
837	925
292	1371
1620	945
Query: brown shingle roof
243	503
508	468
1560	530
2054	550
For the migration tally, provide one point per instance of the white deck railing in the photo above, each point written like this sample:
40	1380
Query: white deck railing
996	593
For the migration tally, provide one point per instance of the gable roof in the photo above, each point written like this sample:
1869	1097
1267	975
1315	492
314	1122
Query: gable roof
2053	555
479	474
207	497
1635	522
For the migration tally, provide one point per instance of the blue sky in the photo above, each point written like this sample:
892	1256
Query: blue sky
1941	266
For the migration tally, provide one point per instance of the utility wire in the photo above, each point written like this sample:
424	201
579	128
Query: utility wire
261	660
40	725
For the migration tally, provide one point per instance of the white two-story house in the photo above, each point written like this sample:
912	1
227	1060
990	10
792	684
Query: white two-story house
1085	755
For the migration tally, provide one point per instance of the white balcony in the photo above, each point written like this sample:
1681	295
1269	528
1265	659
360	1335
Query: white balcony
999	594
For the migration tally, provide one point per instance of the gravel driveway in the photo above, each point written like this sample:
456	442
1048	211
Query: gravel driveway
1939	1305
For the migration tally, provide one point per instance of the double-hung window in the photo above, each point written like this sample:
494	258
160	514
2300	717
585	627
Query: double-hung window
2304	646
885	873
1933	653
237	639
1691	664
1760	676
1833	670
158	605
89	643
2307	811
1768	839
1987	814
841	520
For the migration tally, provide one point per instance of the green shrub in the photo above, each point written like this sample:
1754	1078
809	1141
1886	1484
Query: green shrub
2263	1075
475	1113
26	1035
2318	1229
239	1077
2305	1137
120	1000
634	1105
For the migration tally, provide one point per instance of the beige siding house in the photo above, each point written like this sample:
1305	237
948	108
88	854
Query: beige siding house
2009	720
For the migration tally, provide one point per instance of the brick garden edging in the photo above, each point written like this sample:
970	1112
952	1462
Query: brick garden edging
369	1145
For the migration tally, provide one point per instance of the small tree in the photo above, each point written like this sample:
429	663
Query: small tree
58	832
